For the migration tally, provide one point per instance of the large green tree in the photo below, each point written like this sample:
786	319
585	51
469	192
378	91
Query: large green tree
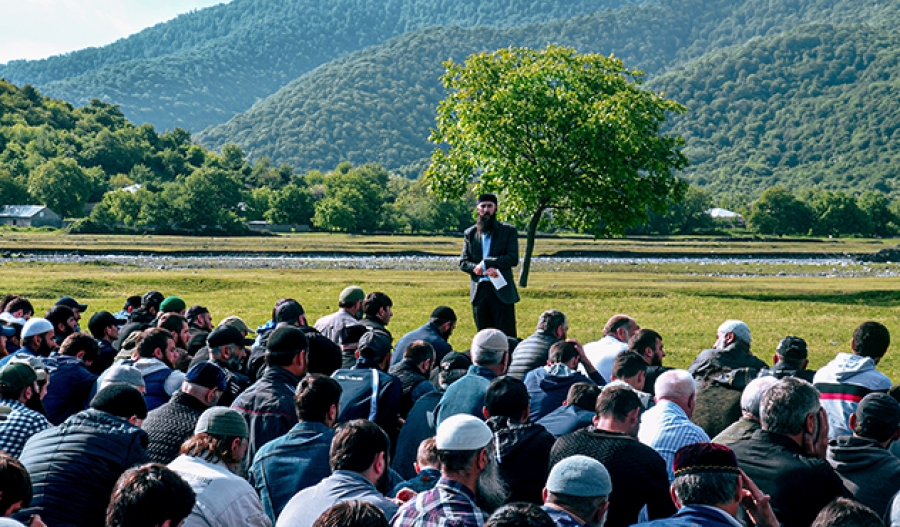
61	185
556	130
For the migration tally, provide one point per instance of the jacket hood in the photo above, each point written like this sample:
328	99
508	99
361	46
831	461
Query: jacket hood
509	434
843	367
150	365
856	454
558	377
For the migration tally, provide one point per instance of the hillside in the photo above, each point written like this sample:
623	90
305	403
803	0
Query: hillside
203	67
379	104
815	106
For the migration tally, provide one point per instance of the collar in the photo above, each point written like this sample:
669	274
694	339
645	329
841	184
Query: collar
481	371
708	509
363	363
189	401
453	485
778	439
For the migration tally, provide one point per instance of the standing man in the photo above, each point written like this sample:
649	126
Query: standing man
490	251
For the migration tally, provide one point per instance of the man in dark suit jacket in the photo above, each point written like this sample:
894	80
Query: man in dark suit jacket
491	249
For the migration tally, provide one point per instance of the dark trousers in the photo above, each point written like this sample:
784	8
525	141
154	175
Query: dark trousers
490	312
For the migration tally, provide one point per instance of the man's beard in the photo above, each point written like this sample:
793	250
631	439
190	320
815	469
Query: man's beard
35	403
446	334
485	223
491	492
383	481
44	349
655	360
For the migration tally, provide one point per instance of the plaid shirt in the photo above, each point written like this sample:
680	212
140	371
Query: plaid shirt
448	504
18	427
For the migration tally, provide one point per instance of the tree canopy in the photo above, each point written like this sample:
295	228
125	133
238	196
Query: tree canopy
556	130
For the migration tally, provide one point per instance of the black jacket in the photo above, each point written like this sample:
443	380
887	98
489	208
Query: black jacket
504	255
170	425
800	486
268	406
524	454
324	355
75	465
530	354
415	384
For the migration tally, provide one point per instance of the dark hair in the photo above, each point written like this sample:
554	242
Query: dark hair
20	302
520	514
643	339
350	335
844	512
59	314
507	397
153	339
147	496
78	342
173	322
628	364
562	351
356	444
15	483
353	513
583	395
617	402
375	301
315	395
871	339
210	447
550	321
418	352
709	488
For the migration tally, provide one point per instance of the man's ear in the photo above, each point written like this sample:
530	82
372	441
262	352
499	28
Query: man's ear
134	420
774	359
485	413
674	497
80	355
158	353
28	392
809	426
852	421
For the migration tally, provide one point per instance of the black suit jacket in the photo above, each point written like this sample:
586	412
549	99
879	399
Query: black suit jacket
504	256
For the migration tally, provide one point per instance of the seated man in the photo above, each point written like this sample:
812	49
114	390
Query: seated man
548	386
414	372
849	377
533	352
428	469
790	360
709	489
150	495
522	448
667	426
577	492
436	332
577	411
743	428
786	457
637	472
490	356
618	330
869	470
360	465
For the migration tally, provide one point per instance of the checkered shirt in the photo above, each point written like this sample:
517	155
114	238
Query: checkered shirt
19	426
448	504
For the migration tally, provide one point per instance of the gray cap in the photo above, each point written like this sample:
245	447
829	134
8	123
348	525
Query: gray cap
123	373
490	339
580	476
222	421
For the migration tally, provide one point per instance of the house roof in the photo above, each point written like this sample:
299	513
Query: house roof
21	211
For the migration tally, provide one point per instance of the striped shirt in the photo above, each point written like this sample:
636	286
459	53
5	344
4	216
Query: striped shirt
666	428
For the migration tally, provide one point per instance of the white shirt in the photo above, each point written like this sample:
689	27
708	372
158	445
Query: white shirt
603	353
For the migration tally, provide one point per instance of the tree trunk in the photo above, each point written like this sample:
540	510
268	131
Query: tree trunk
529	246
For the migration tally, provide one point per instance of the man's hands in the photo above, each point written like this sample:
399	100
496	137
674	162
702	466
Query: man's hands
481	271
757	504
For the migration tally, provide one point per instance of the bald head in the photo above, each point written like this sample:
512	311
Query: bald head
678	387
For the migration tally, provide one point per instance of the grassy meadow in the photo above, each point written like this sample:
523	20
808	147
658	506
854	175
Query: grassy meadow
685	303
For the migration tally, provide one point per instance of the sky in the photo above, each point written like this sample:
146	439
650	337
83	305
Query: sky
36	29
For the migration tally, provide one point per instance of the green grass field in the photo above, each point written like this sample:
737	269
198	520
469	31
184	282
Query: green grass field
684	306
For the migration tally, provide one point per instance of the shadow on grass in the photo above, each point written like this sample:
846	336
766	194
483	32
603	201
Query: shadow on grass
862	298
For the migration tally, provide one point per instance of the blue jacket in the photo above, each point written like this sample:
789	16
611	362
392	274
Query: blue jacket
567	419
695	516
268	406
69	389
466	396
549	386
291	463
428	333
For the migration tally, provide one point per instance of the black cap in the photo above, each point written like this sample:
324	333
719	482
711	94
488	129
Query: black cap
375	345
224	335
455	360
152	299
288	311
350	335
444	313
120	399
100	321
195	311
792	348
70	302
287	339
492	198
878	415
208	375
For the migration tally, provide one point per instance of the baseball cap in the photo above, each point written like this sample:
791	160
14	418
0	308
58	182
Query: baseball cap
172	304
195	311
68	301
352	294
237	323
224	335
100	321
792	348
17	376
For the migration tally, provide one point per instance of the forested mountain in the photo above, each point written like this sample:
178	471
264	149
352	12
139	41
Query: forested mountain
814	106
203	67
379	104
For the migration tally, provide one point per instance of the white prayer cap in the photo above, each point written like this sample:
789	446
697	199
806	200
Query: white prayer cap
463	432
